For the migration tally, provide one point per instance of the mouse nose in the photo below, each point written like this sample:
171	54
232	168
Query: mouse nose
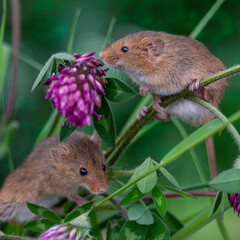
102	55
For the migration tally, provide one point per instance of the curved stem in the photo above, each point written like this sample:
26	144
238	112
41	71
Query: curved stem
215	111
135	127
15	42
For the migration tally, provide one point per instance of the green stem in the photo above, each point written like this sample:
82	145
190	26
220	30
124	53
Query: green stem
134	128
3	23
144	101
197	223
206	18
222	228
168	158
109	31
216	112
72	31
192	150
10	160
123	172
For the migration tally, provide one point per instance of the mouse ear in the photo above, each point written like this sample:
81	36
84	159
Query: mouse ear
95	137
59	153
155	45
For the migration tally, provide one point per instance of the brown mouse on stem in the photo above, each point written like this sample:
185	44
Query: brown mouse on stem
164	64
54	168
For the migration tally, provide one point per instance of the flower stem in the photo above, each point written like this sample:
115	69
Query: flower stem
125	138
215	111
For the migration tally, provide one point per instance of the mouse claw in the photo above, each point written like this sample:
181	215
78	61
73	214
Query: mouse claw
161	115
194	85
142	113
143	90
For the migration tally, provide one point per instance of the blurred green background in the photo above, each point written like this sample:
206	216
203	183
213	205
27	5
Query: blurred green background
45	27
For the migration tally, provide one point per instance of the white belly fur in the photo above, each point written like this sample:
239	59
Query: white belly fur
188	111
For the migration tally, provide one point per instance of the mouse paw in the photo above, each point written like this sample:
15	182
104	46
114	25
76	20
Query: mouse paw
142	113
161	115
143	90
194	85
203	93
79	200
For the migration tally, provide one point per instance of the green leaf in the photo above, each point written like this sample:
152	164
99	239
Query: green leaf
223	201
170	177
66	131
43	212
7	134
140	214
45	132
105	127
43	73
184	194
95	227
158	230
227	181
159	201
118	91
113	228
4	59
40	225
64	56
78	211
133	196
133	231
216	203
173	224
146	184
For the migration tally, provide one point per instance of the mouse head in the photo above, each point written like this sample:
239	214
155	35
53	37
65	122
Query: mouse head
80	159
134	52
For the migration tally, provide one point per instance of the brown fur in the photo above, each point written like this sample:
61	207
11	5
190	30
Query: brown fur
53	168
182	60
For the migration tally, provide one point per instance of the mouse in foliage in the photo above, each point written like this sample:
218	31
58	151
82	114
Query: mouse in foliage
54	169
164	64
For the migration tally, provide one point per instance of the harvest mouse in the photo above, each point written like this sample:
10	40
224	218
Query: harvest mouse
54	168
164	64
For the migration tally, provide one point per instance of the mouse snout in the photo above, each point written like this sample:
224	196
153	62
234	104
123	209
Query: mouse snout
97	186
102	55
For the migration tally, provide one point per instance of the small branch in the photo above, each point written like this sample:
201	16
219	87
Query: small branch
126	137
116	203
15	43
194	193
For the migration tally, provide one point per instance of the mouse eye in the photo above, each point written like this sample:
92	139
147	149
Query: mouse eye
104	167
83	171
124	49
